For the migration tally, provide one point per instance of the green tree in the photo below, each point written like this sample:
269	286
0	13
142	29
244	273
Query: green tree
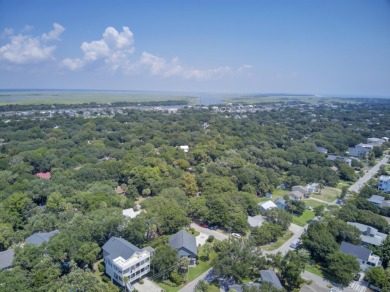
164	260
6	234
319	210
87	253
279	216
188	182
343	267
377	276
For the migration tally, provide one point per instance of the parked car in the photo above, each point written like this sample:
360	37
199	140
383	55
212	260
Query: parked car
236	235
357	277
213	227
204	225
309	208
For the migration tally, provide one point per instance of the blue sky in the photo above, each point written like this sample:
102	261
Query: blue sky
286	46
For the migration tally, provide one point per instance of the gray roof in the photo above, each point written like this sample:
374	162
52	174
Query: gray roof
369	234
6	258
376	199
183	239
39	237
359	252
270	276
281	200
149	249
239	288
118	247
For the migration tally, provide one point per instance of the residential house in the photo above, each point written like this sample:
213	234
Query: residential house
300	189
282	186
339	158
44	175
149	249
369	235
376	141
322	150
267	205
40	237
130	213
255	221
364	256
378	201
311	188
6	259
185	244
185	148
268	195
296	195
360	150
124	260
240	288
384	183
271	277
281	203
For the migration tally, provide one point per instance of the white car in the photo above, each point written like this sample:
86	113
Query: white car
236	235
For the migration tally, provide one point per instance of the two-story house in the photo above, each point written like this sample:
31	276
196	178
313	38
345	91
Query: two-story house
185	244
369	235
384	183
125	263
364	256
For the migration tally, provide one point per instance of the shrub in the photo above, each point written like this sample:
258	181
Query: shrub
176	278
210	239
192	230
106	279
141	282
101	267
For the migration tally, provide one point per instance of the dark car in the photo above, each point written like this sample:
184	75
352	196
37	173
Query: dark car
357	277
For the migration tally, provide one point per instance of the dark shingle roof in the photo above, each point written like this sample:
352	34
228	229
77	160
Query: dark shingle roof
270	276
183	239
118	247
239	288
39	237
359	252
6	258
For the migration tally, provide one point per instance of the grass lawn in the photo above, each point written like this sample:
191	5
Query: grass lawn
286	236
278	193
327	194
313	203
263	199
344	183
193	272
304	218
314	270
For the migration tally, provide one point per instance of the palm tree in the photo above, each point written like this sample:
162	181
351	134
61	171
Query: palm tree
321	187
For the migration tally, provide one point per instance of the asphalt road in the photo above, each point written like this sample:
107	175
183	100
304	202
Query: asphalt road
218	235
207	276
368	175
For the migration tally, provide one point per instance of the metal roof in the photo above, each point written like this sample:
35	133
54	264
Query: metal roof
359	252
183	239
270	276
119	247
6	258
39	237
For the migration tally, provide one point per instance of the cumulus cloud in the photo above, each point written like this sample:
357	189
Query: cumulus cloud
161	67
114	49
25	49
54	34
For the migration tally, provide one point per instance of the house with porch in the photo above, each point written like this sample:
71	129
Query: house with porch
364	256
125	263
369	235
185	244
295	195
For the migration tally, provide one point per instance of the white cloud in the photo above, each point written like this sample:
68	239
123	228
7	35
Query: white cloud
27	28
24	49
244	68
54	34
114	49
160	67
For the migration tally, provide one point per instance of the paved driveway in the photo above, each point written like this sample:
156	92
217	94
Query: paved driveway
297	230
147	286
201	239
207	276
218	235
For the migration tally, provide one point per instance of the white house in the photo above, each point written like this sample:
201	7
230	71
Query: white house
384	183
375	141
364	256
267	205
125	263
